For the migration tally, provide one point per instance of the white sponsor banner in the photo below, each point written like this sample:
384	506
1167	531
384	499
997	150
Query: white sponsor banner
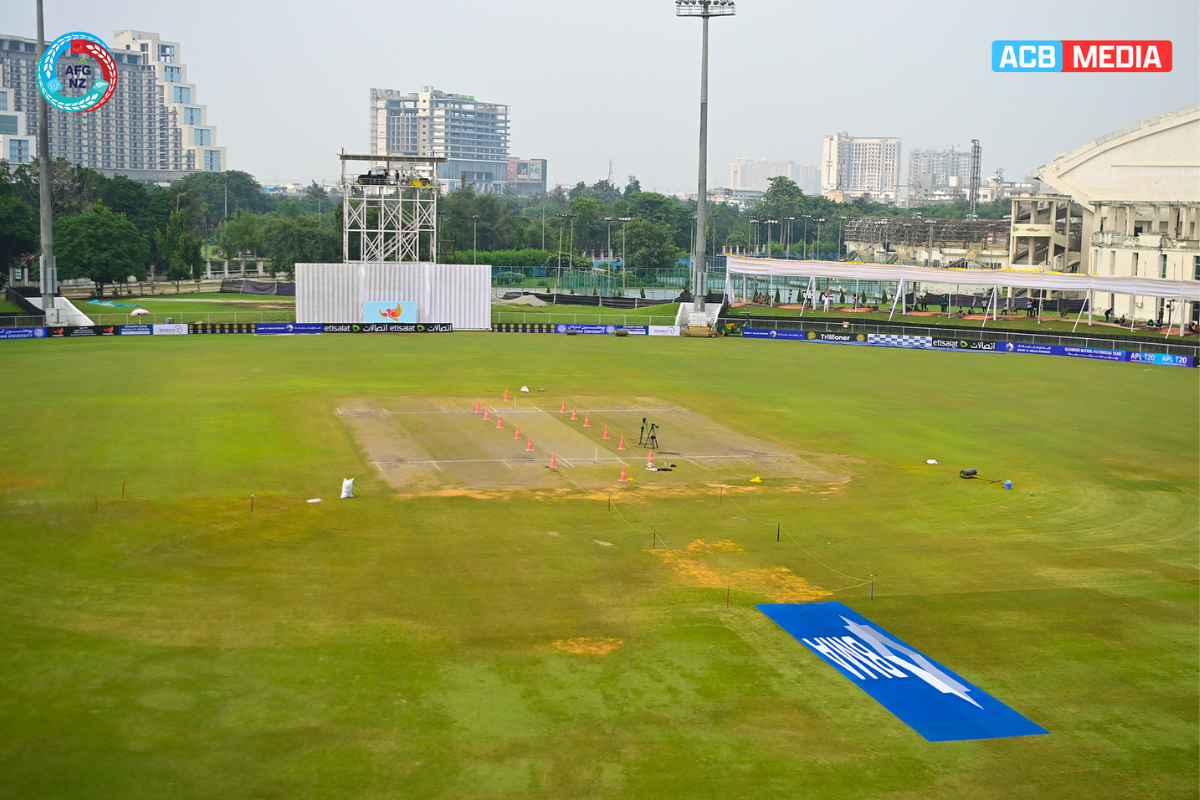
170	330
664	330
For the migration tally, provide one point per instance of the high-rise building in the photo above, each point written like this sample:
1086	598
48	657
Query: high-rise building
853	166
944	166
153	127
756	174
470	134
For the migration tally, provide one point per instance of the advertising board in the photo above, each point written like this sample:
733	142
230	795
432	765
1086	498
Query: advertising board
384	327
74	331
1162	359
388	311
286	328
23	333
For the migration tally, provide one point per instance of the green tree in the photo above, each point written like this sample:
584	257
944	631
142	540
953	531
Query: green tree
650	247
241	233
298	239
72	189
18	233
178	249
99	245
588	212
244	191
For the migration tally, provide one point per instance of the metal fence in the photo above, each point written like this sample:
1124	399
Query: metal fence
605	280
1132	343
162	318
582	318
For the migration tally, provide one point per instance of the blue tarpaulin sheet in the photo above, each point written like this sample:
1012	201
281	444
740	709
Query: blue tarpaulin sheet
930	699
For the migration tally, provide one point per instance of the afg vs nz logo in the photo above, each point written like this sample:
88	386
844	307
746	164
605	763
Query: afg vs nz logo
1105	55
80	75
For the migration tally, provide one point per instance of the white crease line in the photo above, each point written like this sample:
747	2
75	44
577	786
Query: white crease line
566	459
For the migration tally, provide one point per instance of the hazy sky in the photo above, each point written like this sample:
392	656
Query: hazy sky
286	83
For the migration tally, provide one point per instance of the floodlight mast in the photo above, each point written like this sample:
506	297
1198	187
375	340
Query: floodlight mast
48	273
703	9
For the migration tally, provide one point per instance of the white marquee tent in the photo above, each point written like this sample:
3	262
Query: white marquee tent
1178	290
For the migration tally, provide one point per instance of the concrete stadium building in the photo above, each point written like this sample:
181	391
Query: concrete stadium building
1126	204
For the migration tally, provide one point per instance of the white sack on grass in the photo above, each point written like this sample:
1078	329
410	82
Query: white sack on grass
315	500
348	488
525	389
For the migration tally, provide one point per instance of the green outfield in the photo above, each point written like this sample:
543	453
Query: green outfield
472	625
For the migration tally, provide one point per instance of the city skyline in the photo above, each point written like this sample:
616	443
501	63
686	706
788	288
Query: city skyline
647	74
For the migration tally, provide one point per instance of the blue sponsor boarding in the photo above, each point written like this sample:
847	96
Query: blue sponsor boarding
637	330
22	333
923	694
289	327
1162	359
765	333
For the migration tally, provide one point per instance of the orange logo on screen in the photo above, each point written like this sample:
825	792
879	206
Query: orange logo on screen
390	313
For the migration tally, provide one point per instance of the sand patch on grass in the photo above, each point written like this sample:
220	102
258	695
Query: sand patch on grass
778	583
723	546
586	646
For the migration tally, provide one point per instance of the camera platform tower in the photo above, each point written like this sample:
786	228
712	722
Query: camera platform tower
389	213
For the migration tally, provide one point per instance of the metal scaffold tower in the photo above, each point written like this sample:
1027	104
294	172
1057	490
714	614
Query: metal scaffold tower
389	213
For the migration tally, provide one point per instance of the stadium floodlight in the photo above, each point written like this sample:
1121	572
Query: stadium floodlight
623	221
770	222
474	238
703	9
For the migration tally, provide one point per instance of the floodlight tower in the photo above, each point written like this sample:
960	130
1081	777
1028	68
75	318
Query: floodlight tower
48	271
703	9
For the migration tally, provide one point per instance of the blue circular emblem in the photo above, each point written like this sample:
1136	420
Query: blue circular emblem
83	45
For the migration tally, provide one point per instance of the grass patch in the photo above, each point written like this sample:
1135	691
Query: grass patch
533	644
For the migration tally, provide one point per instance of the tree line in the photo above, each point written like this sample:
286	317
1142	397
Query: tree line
110	229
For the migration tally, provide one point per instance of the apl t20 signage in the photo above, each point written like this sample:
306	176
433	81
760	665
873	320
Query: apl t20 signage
1105	55
79	76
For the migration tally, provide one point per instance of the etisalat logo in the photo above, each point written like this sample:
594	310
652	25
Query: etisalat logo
1096	55
872	653
79	75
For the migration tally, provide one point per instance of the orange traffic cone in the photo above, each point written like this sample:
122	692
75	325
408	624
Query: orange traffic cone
573	414
517	435
530	448
499	421
563	410
605	436
621	445
587	420
650	460
553	462
476	406
623	479
486	413
506	395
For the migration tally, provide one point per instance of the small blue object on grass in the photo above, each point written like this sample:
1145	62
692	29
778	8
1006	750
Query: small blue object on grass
1008	484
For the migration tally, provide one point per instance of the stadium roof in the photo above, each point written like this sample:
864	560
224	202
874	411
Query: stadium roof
1058	281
